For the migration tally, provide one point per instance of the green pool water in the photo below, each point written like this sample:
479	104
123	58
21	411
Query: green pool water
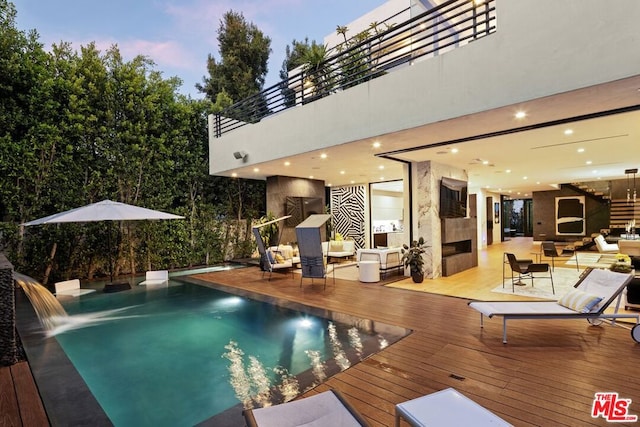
178	355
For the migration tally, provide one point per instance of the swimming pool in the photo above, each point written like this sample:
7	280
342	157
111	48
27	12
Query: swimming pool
188	354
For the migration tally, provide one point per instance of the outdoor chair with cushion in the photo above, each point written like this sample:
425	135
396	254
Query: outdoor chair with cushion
271	260
527	270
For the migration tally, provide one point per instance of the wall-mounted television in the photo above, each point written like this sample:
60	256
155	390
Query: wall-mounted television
453	198
300	208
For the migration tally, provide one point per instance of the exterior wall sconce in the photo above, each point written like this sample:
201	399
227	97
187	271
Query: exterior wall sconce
241	155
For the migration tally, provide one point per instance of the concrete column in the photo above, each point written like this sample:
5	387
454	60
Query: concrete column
8	349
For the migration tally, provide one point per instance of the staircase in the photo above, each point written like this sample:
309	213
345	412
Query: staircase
601	195
622	212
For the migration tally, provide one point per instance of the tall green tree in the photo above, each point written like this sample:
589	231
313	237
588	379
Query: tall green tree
293	55
242	69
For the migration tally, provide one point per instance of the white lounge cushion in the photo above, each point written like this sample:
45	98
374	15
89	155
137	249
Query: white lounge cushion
604	247
157	277
320	410
71	288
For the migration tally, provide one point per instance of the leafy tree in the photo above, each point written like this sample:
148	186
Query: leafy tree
77	127
293	55
244	52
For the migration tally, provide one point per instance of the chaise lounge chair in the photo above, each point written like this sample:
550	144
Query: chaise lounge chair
324	409
594	292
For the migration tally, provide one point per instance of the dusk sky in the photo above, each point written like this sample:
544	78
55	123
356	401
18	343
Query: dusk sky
179	34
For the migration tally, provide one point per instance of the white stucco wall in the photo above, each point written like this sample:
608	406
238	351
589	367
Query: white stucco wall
541	48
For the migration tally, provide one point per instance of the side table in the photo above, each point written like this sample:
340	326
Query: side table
369	271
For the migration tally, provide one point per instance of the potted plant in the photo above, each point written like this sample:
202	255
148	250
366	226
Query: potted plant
269	232
412	258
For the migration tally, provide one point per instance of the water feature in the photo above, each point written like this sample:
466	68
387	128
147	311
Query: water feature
48	309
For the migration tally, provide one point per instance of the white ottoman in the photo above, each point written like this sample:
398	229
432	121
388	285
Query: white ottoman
369	271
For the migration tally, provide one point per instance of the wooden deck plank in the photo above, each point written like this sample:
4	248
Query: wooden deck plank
9	411
546	375
32	411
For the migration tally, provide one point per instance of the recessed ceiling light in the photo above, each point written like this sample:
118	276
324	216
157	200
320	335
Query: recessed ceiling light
381	167
341	172
568	131
310	176
376	144
323	155
485	162
329	184
234	175
382	178
454	150
580	150
508	171
256	170
520	115
287	163
353	182
588	162
525	177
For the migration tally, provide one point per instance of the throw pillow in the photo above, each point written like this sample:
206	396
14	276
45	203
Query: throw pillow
279	259
579	301
335	246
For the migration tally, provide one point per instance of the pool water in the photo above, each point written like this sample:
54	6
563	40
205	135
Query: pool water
178	355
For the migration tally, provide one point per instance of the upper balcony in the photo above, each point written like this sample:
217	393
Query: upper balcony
452	24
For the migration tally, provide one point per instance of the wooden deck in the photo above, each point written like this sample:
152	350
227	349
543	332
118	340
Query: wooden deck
20	403
545	376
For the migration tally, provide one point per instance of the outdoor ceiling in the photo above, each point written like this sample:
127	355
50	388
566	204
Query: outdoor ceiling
501	154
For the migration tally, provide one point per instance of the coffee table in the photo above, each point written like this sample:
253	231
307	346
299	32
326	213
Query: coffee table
444	408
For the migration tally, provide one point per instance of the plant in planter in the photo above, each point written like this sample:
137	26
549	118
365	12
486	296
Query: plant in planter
412	258
269	232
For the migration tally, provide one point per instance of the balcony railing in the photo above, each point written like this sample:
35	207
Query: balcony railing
443	28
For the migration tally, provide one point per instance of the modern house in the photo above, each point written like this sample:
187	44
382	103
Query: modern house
530	100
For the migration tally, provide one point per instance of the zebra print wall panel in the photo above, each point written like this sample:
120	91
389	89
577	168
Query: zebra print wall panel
347	210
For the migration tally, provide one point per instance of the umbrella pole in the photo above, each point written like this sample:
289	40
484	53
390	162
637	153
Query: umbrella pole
110	252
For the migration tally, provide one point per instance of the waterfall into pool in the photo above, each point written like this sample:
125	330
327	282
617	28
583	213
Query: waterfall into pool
48	309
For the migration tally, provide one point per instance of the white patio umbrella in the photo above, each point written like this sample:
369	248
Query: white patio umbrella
105	210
